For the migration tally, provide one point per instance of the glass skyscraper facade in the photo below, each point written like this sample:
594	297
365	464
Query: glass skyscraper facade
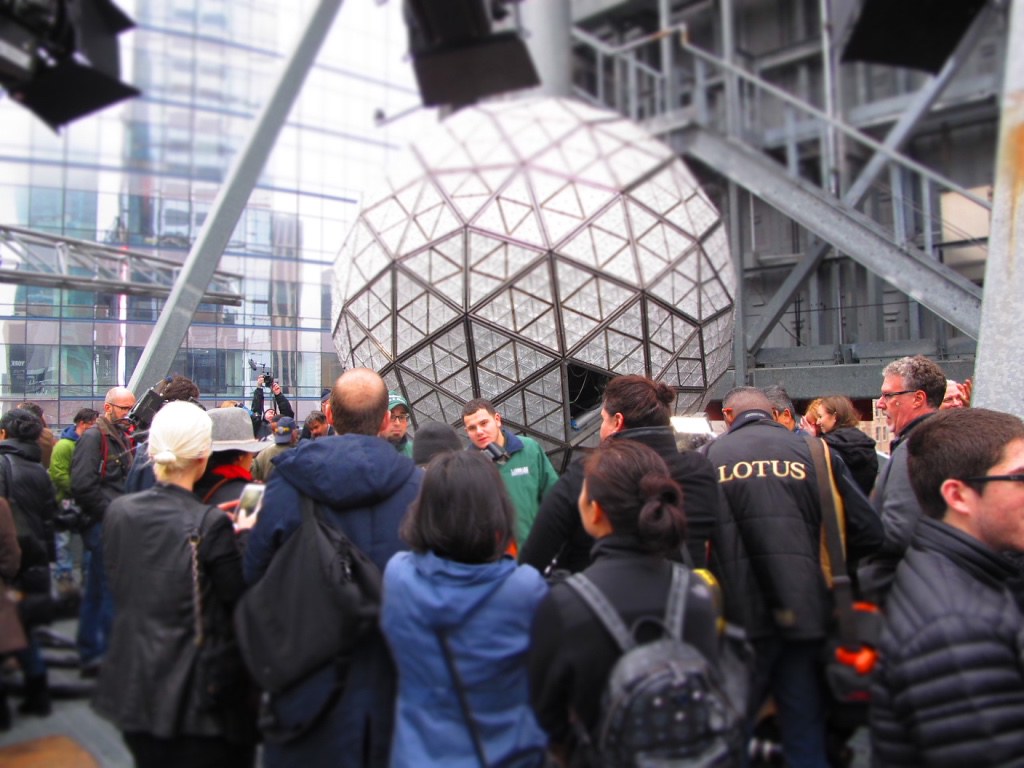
143	176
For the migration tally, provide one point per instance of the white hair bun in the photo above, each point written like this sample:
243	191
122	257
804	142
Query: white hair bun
165	457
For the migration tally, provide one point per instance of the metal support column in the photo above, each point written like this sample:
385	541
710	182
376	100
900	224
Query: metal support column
176	317
548	34
1000	365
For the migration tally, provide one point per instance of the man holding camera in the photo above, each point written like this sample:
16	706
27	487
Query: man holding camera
263	419
523	465
99	467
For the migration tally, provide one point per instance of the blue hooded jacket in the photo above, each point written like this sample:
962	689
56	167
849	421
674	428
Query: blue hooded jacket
486	612
363	486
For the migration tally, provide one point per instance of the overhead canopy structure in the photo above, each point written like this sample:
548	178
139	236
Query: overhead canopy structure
51	261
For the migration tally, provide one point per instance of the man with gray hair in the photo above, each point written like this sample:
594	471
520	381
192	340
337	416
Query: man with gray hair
782	407
912	390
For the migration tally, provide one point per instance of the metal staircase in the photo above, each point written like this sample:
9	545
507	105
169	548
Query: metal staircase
795	156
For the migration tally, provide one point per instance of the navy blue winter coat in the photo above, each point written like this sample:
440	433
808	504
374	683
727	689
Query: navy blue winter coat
485	611
364	487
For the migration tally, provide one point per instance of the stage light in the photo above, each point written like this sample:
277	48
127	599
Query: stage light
456	57
59	58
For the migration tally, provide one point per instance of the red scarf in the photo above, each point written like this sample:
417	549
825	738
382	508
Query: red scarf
233	472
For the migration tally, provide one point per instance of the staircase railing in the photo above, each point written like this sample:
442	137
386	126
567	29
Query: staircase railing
904	196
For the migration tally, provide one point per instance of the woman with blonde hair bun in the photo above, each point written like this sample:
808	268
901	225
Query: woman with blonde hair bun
176	574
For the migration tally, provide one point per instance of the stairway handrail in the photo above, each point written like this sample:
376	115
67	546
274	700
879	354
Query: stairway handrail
790	99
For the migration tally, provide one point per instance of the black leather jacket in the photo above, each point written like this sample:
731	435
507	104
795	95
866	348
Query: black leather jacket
148	673
766	551
949	689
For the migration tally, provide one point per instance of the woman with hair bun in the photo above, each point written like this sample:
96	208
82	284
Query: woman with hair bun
633	408
633	508
175	574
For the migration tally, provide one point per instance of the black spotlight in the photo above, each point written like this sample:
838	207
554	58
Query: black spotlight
60	59
457	58
909	33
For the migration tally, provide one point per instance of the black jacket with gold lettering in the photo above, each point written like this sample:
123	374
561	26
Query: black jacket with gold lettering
766	552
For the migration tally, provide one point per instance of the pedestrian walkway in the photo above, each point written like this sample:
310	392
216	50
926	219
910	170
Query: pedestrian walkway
72	717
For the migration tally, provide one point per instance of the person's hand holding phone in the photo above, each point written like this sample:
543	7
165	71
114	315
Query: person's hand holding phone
249	504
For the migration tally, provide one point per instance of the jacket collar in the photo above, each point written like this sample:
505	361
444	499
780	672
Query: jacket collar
647	435
753	417
616	545
907	430
966	551
512	442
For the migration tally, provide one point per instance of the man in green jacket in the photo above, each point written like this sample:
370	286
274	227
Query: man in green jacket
523	465
60	474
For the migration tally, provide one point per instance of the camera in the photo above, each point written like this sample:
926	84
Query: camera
70	517
268	379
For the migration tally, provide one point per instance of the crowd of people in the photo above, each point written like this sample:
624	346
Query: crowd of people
483	648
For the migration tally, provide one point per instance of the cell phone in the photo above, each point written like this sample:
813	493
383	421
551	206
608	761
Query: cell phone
251	499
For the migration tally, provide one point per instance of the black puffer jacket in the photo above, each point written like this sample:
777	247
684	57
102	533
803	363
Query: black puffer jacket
949	690
557	531
33	503
99	467
857	451
766	551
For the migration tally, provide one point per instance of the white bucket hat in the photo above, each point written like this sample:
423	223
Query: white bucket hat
232	431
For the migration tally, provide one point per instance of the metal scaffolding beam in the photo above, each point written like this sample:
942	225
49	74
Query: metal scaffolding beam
53	261
934	285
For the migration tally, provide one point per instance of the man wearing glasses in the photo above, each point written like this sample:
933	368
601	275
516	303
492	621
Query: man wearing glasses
99	467
398	432
949	688
912	390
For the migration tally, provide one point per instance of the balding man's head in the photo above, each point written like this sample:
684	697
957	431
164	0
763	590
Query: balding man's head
358	403
118	403
743	399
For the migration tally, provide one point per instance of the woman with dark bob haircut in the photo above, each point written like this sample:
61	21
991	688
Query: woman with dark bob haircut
456	612
633	508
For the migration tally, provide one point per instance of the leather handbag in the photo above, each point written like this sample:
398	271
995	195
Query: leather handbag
221	677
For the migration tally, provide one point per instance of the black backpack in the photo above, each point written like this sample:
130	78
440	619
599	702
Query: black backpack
664	703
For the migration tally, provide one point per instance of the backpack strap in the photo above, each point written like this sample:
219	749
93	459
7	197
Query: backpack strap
675	611
603	609
216	487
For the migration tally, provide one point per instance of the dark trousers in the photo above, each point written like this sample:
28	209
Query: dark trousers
192	751
96	616
791	671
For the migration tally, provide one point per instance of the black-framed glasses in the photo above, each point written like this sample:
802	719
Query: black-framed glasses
1015	478
891	395
121	407
400	417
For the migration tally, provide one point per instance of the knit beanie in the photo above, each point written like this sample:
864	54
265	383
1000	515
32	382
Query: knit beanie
432	438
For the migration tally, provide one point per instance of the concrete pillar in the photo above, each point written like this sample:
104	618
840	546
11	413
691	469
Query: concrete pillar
999	375
546	29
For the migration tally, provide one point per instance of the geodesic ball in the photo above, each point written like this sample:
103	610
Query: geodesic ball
526	252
